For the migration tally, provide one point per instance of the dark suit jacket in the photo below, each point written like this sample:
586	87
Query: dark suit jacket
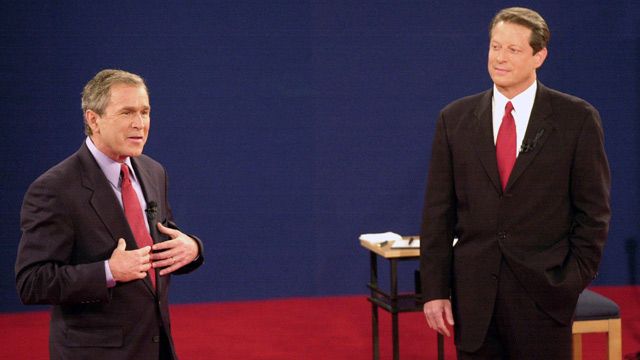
549	225
71	221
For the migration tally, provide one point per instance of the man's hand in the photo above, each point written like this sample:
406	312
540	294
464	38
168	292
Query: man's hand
433	311
128	265
175	253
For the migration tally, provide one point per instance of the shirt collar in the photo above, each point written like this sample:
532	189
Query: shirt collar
522	103
109	167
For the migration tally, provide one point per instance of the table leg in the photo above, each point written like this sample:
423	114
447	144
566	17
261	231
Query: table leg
394	312
374	307
396	340
376	339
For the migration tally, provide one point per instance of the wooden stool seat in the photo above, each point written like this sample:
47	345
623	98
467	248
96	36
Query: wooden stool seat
597	314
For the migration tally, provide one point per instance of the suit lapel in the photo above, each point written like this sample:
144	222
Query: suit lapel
103	200
482	138
536	135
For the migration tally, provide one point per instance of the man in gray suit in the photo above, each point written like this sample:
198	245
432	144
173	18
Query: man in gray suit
89	249
519	176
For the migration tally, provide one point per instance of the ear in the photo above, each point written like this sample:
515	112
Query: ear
540	57
92	120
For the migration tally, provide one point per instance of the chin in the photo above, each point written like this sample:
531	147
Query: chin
502	83
135	153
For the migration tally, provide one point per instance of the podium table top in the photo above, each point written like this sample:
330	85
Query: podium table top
386	251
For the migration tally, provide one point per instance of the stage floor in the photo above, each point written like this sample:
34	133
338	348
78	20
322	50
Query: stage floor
301	328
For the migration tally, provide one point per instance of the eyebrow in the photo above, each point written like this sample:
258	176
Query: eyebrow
495	42
133	108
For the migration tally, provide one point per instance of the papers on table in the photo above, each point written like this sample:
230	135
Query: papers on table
399	242
411	242
380	238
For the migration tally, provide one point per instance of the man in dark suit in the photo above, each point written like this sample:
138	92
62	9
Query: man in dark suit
89	249
519	176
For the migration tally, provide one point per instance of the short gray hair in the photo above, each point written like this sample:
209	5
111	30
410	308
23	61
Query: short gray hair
97	93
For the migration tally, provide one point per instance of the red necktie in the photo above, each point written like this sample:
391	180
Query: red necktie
133	212
506	145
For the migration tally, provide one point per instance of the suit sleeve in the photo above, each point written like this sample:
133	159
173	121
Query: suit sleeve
44	270
590	193
438	220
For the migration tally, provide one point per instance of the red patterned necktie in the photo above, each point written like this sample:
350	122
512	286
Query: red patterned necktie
506	145
133	212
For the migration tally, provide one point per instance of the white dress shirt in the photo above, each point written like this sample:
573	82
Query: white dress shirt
522	106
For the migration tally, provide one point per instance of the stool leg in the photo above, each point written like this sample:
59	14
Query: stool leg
615	339
577	347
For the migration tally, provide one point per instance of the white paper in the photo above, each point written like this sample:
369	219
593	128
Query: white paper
380	237
404	243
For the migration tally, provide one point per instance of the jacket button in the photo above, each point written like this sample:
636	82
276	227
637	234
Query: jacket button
156	339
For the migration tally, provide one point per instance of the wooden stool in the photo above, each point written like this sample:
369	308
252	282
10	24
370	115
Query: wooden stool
596	314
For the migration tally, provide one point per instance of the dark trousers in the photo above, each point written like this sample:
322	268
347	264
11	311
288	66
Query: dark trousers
519	329
165	347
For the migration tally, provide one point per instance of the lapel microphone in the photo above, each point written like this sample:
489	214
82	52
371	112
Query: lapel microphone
529	146
151	210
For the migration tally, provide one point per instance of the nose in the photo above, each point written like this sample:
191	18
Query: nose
501	56
138	121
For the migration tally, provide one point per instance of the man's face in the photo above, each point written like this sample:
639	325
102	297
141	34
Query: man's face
512	64
123	128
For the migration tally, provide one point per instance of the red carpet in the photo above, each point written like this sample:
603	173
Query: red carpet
310	328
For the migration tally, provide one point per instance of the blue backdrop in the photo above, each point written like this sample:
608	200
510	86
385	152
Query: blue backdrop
290	127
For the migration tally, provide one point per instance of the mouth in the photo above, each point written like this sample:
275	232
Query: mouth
500	71
135	139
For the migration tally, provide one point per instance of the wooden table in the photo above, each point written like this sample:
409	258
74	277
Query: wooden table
391	301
